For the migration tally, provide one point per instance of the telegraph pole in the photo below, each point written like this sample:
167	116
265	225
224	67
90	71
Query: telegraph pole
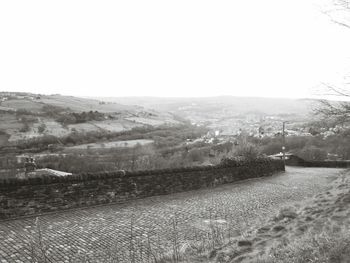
284	144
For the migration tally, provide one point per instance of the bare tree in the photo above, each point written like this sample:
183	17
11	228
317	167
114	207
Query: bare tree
337	110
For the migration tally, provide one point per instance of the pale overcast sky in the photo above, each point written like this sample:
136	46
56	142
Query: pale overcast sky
274	48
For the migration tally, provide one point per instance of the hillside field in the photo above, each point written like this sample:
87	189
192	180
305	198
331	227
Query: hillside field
31	116
109	145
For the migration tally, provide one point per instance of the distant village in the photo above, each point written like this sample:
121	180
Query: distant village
4	96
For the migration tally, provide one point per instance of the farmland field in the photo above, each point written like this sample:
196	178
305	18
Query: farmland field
149	121
6	109
51	128
107	145
30	105
9	122
107	125
81	104
9	125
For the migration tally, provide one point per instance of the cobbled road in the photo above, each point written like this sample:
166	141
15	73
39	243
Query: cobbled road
156	223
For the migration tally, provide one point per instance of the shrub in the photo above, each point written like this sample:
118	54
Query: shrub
195	155
240	161
247	150
328	246
42	128
313	153
23	112
25	127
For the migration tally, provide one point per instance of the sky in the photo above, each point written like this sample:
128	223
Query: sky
182	48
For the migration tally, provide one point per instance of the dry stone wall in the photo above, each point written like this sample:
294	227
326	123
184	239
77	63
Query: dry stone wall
49	194
297	161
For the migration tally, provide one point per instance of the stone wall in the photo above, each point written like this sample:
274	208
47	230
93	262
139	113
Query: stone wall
48	194
297	161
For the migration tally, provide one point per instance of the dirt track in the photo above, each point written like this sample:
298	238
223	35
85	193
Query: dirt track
93	231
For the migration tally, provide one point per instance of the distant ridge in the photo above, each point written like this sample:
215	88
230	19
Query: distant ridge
239	104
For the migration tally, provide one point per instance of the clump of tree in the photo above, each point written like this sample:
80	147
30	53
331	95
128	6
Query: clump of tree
65	116
53	111
247	150
25	127
317	147
80	117
313	153
334	113
21	112
42	127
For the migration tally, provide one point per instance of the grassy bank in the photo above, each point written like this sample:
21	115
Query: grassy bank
317	230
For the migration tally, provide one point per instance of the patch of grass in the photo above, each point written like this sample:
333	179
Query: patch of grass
332	246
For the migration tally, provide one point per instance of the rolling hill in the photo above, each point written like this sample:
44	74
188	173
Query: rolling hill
229	114
27	115
221	104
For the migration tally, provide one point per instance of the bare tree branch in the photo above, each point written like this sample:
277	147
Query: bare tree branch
342	6
345	4
340	23
338	111
336	91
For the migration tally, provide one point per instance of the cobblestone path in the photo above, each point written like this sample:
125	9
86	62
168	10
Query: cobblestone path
156	225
